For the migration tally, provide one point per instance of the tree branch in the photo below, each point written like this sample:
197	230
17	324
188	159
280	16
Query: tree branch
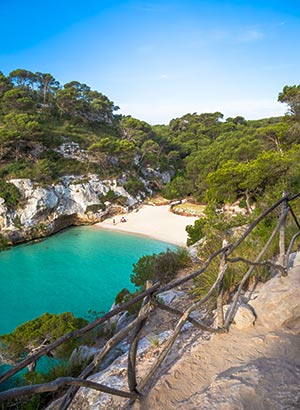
58	384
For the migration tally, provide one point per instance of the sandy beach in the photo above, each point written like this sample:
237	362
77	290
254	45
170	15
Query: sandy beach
153	221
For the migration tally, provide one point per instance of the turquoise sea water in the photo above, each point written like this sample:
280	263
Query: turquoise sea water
79	269
74	271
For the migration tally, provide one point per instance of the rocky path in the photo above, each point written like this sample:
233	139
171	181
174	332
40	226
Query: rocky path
257	368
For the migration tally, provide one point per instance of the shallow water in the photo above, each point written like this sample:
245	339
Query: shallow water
79	269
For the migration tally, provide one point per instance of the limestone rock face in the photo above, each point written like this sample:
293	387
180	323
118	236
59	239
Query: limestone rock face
278	303
82	354
47	209
244	317
3	219
113	376
165	176
72	150
251	386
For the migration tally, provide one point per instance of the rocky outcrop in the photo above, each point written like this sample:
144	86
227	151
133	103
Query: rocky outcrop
72	150
47	209
278	304
256	366
72	200
261	384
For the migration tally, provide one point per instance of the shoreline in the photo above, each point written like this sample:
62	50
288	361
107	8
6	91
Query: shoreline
156	222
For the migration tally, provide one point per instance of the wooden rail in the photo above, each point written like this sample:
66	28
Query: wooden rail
150	302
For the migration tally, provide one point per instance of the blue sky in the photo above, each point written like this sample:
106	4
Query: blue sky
158	60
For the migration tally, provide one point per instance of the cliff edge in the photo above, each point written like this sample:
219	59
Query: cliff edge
256	366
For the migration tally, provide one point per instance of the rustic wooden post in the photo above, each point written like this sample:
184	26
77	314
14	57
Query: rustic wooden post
282	258
220	313
131	365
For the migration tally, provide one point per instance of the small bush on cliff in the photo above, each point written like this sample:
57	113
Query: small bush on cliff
134	185
40	332
3	242
125	296
162	267
10	193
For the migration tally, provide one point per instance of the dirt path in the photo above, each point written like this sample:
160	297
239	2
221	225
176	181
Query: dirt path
232	371
251	369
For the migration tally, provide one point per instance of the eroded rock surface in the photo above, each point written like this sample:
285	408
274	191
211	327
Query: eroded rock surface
47	209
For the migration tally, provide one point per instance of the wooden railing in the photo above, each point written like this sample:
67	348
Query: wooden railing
151	302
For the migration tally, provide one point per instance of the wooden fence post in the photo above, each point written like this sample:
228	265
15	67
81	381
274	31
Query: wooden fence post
220	312
282	258
131	364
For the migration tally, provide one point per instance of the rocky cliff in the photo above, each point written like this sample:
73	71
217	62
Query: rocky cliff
73	200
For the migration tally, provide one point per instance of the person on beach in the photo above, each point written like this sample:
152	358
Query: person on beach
114	221
123	219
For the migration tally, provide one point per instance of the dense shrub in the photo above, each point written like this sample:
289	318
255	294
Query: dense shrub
42	330
134	185
162	267
10	193
214	229
125	296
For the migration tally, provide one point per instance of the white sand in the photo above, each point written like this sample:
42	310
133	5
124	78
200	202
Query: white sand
154	221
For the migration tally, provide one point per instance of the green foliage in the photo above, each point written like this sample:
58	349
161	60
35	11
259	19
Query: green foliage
161	267
179	187
125	296
39	401
215	160
121	296
41	331
113	197
10	193
135	131
291	96
215	228
143	270
134	186
3	242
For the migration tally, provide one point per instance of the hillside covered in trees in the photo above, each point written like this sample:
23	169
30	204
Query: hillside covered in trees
37	115
213	160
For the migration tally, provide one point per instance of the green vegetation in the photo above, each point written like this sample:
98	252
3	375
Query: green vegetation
10	193
161	267
38	114
215	160
39	332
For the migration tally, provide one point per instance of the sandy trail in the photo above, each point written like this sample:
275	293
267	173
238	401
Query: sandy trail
257	368
153	221
239	365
